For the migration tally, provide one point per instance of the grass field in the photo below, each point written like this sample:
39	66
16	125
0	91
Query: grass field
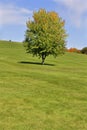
42	97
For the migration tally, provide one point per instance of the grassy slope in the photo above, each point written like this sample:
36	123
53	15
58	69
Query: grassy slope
36	97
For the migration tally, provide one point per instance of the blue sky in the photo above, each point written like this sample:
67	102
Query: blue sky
15	13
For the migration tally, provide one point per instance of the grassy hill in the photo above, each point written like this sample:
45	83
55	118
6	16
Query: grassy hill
37	97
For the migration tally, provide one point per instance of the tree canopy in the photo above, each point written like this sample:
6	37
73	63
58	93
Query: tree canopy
84	50
45	34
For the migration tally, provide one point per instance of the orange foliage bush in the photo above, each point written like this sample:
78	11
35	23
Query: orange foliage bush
73	50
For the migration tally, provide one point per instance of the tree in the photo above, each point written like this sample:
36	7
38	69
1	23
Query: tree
84	50
45	34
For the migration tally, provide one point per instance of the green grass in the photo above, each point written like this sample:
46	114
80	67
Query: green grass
42	97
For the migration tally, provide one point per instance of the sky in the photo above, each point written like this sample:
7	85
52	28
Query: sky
15	13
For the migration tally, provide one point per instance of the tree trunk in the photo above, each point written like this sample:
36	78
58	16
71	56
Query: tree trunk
43	58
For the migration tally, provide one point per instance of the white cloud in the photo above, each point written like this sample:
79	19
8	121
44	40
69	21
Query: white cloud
10	14
79	6
77	9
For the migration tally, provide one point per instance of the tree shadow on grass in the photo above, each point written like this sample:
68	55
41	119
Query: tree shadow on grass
36	63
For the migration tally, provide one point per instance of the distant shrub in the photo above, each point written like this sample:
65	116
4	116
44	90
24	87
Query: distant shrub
73	50
9	40
84	50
